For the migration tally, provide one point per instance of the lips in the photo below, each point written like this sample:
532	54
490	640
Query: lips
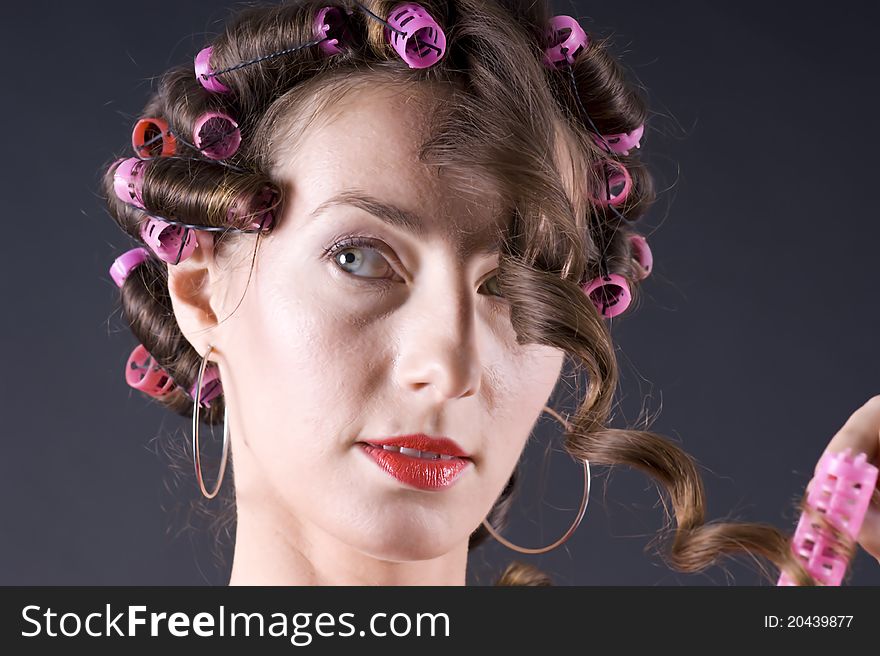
443	446
419	461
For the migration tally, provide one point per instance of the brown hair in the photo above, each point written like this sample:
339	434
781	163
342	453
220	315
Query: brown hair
509	121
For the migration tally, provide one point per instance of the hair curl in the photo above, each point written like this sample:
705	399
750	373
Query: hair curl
504	123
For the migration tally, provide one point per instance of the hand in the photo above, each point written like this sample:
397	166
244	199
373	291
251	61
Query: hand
861	433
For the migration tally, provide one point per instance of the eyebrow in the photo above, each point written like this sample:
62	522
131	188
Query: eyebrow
394	216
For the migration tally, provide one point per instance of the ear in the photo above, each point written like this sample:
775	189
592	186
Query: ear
192	288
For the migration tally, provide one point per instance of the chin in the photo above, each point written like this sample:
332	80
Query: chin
406	540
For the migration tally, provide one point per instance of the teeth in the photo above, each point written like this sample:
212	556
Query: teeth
415	453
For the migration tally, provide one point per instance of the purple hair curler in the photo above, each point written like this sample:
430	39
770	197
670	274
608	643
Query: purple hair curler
211	386
332	27
124	264
152	138
170	243
204	70
841	489
610	294
621	143
216	135
572	43
415	36
642	255
143	374
128	181
619	178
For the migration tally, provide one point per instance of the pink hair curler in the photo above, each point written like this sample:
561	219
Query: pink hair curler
124	264
170	243
618	178
641	253
216	135
211	386
331	26
259	209
572	43
128	181
204	72
841	489
152	138
610	294
621	143
416	36
143	374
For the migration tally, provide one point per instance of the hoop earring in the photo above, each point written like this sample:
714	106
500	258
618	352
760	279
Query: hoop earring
195	430
571	529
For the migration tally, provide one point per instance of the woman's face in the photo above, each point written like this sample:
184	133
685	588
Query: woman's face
399	333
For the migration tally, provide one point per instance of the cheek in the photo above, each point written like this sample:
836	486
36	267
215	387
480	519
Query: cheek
517	390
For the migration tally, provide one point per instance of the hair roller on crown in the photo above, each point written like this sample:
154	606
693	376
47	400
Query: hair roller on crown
330	31
125	263
205	74
610	294
143	374
170	243
331	26
415	35
211	386
641	253
216	135
152	138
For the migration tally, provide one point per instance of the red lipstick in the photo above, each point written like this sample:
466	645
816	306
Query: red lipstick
418	460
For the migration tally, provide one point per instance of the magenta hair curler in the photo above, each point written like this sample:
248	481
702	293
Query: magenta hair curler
152	138
204	72
216	135
566	38
332	28
170	243
211	386
143	374
124	264
415	36
610	294
623	142
620	179
841	489
128	181
642	255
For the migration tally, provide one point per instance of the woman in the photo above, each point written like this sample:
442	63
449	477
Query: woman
376	231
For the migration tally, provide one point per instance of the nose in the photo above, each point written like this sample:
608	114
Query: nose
439	354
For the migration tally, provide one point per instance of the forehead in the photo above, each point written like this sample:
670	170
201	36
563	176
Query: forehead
367	143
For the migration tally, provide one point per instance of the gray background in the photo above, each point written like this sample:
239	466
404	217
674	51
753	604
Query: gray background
755	341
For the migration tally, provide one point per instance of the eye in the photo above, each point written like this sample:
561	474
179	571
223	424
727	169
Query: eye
360	257
492	285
